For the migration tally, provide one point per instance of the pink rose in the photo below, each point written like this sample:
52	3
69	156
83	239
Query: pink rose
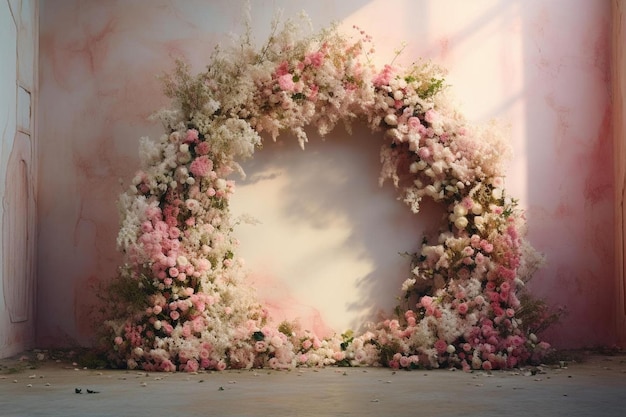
431	116
286	82
414	122
405	362
260	346
220	366
441	346
463	308
426	301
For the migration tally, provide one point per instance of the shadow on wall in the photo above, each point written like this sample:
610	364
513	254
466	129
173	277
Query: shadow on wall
328	232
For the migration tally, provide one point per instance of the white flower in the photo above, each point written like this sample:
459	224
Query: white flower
460	210
461	222
220	184
477	208
391	119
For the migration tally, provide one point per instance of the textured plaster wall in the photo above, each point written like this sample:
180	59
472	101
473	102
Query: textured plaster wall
327	249
18	92
619	130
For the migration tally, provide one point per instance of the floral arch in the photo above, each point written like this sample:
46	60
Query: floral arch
181	299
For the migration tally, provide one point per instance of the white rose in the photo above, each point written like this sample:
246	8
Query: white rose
461	222
391	119
460	210
220	184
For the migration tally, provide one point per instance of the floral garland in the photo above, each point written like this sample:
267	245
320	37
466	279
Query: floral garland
181	293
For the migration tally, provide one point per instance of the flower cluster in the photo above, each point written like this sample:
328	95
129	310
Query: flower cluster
182	300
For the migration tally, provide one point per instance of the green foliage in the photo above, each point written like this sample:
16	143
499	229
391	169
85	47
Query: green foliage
535	314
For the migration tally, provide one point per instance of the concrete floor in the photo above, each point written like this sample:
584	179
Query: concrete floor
594	387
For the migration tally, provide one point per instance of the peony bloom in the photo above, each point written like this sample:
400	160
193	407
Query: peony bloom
201	166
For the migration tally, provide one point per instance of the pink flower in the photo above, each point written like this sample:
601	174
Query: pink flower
384	77
260	346
175	315
426	301
487	366
424	153
312	95
431	116
201	166
146	227
462	308
203	148
414	123
405	362
441	346
191	366
220	366
118	340
286	83
316	59
282	69
192	136
167	366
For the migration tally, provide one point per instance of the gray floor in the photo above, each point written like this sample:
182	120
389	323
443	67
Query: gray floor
593	387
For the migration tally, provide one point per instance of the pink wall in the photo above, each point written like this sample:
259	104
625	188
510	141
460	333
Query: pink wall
619	130
542	68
